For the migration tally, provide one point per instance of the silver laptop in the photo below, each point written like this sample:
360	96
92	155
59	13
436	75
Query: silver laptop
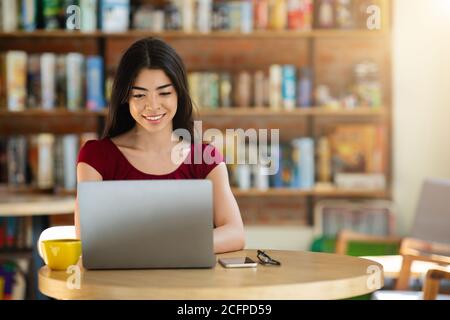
137	224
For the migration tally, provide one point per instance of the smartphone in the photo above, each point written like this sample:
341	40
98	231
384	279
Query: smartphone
240	262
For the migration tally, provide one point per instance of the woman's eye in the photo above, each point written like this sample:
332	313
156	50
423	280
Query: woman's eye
165	93
138	96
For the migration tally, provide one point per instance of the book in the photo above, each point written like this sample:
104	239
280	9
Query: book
259	88
275	78
65	161
29	15
94	83
304	174
243	89
115	15
324	160
246	16
294	14
277	14
10	13
288	86
220	19
16	156
194	89
88	15
235	14
187	13
204	8
48	80
3	160
172	16
45	174
51	11
354	148
213	90
261	14
74	81
34	90
61	84
305	88
360	181
225	88
16	80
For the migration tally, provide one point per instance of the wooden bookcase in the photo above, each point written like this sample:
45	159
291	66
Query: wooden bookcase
330	53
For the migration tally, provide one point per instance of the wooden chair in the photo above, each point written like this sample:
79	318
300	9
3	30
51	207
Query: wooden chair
432	283
429	240
345	237
419	250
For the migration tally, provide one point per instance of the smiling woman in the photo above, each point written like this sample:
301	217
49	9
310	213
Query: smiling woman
149	101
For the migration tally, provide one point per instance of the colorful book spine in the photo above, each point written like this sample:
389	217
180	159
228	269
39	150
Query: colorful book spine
88	15
61	84
275	76
45	174
277	178
194	89
261	14
304	177
17	160
34	81
289	76
324	160
214	90
29	15
94	72
225	88
115	15
51	14
278	15
187	13
16	80
48	81
235	15
259	88
9	10
307	15
74	72
246	16
243	89
294	14
305	87
204	10
70	152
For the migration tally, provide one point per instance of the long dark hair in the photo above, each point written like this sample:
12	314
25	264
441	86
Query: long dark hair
149	53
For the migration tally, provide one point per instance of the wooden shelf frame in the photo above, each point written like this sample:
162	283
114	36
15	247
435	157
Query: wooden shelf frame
221	111
315	33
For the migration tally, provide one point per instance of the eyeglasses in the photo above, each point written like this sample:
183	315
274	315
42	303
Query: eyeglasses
265	259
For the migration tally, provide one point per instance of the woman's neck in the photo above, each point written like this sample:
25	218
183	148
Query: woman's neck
154	142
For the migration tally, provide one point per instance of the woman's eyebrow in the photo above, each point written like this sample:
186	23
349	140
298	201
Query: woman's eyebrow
145	89
164	86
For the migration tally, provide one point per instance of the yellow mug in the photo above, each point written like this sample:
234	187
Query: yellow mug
59	254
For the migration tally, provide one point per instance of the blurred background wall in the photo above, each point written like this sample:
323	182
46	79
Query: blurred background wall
421	100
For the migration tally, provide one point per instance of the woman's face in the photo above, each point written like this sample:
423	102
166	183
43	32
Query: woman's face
153	100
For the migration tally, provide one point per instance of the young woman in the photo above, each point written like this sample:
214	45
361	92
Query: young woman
149	101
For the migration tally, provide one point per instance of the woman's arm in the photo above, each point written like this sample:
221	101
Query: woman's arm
229	232
84	173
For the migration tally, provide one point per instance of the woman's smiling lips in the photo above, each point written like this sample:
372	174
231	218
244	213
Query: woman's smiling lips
154	118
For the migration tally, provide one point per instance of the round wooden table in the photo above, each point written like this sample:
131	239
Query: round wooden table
302	275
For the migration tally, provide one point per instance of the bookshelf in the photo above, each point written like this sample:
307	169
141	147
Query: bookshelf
329	52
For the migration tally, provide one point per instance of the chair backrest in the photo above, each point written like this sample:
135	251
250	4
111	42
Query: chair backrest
432	219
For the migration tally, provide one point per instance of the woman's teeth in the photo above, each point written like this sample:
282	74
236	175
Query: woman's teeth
154	118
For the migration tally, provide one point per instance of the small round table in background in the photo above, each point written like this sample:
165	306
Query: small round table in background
302	275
